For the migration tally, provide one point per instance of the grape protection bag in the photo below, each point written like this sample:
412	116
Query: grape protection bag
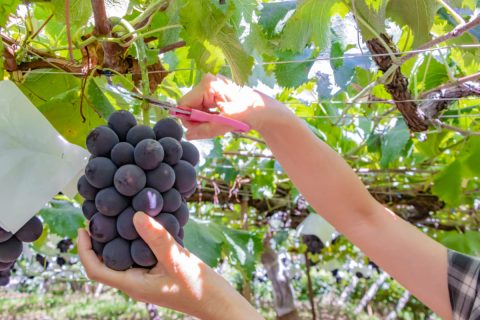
36	162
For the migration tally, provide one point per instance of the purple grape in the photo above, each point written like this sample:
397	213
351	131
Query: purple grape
129	180
110	202
4	235
125	227
181	233
139	133
4	281
190	153
116	254
172	200
148	154
190	192
4	266
169	222
31	231
86	190
103	228
168	127
182	214
89	209
122	154
97	246
173	150
142	254
161	178
149	201
120	122
100	171
10	250
101	141
185	176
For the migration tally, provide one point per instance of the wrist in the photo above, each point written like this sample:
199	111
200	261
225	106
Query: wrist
268	113
224	301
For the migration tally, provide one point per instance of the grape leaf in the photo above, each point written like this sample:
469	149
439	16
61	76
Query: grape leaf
6	8
63	112
293	74
212	40
80	12
467	243
63	218
97	99
40	87
203	240
310	22
430	74
243	249
272	13
448	184
419	17
394	142
373	13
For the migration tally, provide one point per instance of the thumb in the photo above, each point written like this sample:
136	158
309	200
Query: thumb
207	130
154	234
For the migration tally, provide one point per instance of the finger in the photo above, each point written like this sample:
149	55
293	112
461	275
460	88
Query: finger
155	235
207	130
94	268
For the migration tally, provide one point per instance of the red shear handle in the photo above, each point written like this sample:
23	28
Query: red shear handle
200	116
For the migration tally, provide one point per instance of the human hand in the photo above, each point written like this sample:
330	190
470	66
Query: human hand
179	281
240	103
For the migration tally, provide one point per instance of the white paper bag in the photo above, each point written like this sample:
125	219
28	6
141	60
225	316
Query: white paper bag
35	161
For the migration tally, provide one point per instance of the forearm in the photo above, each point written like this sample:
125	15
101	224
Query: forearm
321	175
334	191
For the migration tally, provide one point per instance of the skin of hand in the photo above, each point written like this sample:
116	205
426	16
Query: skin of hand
179	281
331	187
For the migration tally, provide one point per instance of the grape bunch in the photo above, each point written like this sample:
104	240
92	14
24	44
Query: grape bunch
11	246
136	168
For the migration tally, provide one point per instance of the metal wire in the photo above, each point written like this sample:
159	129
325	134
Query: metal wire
379	101
347	56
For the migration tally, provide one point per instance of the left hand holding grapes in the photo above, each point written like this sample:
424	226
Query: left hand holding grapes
179	281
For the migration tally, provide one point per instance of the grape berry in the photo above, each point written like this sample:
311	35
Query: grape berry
11	246
135	168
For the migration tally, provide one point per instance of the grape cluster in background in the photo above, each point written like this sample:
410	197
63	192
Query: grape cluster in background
11	246
136	168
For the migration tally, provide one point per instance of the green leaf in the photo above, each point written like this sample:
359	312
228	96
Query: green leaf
243	249
430	74
293	74
419	16
310	22
6	8
373	13
63	218
97	99
272	13
80	12
210	241
448	184
212	40
393	143
239	61
466	243
469	4
40	86
204	240
64	113
471	161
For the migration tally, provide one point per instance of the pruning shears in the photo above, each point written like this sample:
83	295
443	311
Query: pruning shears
193	115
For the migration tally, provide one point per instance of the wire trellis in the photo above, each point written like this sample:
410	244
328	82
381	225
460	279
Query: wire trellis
324	58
